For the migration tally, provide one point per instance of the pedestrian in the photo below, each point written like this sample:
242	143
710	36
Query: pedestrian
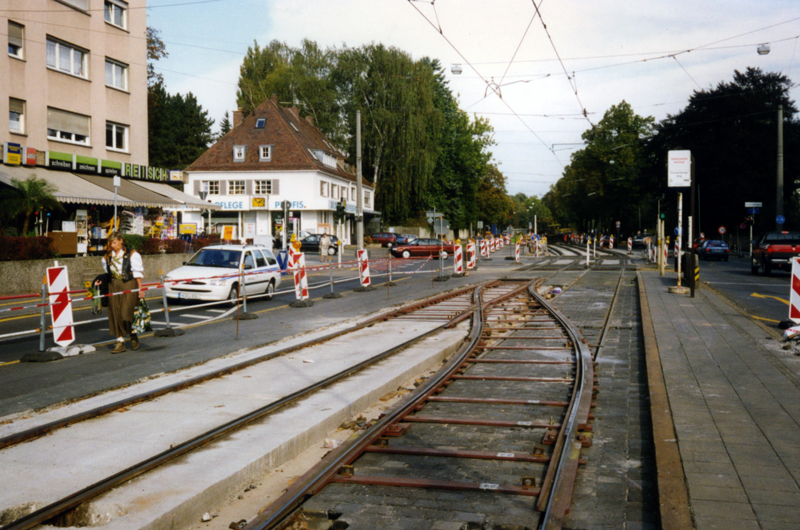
324	246
123	272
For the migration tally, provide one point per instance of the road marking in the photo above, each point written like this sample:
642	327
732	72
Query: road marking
199	317
779	299
766	319
11	362
216	310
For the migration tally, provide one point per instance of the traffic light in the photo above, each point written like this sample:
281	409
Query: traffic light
340	206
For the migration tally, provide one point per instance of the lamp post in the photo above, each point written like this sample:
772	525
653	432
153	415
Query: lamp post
203	194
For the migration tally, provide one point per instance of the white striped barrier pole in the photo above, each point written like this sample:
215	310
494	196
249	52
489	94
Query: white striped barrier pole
300	279
491	245
470	255
794	293
677	248
666	253
507	239
516	252
630	244
587	251
363	268
483	248
61	305
458	260
611	242
292	264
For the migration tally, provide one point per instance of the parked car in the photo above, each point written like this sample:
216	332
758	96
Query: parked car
386	239
214	273
775	250
311	244
404	239
713	249
640	240
423	248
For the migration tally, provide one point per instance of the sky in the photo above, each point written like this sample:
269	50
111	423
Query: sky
532	75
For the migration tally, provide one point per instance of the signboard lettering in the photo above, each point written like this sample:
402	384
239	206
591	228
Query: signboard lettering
679	169
12	154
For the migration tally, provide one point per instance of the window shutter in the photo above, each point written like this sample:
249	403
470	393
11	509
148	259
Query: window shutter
223	187
197	188
14	34
276	188
249	187
16	105
67	122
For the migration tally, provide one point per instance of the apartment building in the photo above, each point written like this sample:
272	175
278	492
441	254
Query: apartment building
74	80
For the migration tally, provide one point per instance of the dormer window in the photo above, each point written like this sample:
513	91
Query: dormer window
261	123
238	153
265	153
327	159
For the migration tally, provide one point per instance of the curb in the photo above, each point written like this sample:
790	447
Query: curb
673	495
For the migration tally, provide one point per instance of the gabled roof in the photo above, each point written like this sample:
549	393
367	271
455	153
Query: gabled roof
293	140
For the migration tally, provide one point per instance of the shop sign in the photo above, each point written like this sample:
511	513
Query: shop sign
227	232
29	156
56	160
86	164
144	172
12	154
109	168
295	205
187	229
232	205
176	175
258	203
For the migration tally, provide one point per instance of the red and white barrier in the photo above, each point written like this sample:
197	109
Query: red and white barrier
458	260
484	252
630	244
666	253
291	263
61	313
507	239
363	268
300	278
516	252
794	293
470	255
611	242
677	249
492	244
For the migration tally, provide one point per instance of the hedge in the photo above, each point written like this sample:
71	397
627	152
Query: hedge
26	248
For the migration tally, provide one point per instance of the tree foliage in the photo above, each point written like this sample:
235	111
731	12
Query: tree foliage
156	49
178	127
26	198
494	204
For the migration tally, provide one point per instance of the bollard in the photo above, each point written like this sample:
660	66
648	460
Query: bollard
43	318
244	315
390	283
331	294
169	331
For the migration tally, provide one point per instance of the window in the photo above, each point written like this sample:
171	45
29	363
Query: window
67	126
211	186
15	39
116	74
116	136
16	115
335	190
235	187
323	189
239	152
83	5
66	58
116	13
367	199
344	193
265	153
353	195
263	187
260	123
260	261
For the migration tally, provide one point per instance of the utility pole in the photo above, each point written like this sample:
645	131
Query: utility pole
779	198
359	198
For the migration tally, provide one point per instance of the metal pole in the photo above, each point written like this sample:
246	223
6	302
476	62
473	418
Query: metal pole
330	273
779	198
164	302
43	317
359	178
678	236
244	293
693	210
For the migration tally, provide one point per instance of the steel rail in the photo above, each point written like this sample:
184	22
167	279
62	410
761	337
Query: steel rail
41	430
315	479
72	501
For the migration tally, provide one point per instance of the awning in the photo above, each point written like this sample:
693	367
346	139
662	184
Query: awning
190	201
69	187
135	195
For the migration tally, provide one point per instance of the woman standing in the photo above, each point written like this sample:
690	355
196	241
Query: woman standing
124	270
324	246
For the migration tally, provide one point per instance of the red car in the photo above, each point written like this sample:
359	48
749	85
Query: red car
775	250
386	239
424	248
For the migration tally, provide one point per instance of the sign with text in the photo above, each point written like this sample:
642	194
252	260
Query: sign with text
679	169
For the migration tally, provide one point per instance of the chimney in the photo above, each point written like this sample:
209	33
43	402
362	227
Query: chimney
237	117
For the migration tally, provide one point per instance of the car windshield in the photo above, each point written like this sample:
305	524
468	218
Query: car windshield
215	257
789	238
717	244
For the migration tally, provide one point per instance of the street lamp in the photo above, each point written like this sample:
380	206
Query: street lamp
763	49
456	69
203	194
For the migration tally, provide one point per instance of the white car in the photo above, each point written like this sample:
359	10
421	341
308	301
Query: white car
214	273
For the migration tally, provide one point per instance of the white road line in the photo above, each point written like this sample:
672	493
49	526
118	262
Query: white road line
199	317
216	310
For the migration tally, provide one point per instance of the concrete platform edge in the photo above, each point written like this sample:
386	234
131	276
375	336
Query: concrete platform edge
673	495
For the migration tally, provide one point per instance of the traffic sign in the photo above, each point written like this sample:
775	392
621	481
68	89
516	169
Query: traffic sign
430	220
780	219
753	210
618	224
743	226
677	231
753	205
434	214
441	226
721	230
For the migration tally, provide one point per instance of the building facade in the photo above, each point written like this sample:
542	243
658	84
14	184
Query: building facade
74	80
269	157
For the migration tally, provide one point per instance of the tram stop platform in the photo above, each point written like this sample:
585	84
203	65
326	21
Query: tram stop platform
725	399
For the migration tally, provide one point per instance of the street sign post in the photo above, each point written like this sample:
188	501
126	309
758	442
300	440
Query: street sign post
780	219
679	169
753	205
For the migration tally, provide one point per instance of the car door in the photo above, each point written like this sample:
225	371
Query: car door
254	276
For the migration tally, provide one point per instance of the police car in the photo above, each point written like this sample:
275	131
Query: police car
214	273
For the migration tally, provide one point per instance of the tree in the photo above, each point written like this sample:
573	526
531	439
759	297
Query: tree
179	128
156	49
225	126
28	197
494	204
731	131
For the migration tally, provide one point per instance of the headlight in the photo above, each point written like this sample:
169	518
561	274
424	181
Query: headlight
217	282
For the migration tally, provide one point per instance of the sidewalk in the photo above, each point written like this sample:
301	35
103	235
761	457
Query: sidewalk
734	396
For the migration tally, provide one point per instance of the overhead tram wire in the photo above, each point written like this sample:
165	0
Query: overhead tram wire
494	89
687	73
521	41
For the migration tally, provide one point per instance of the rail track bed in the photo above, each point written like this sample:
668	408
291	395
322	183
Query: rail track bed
492	441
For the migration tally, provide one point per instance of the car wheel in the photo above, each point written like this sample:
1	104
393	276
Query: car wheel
754	267
444	254
406	254
331	251
270	292
233	296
